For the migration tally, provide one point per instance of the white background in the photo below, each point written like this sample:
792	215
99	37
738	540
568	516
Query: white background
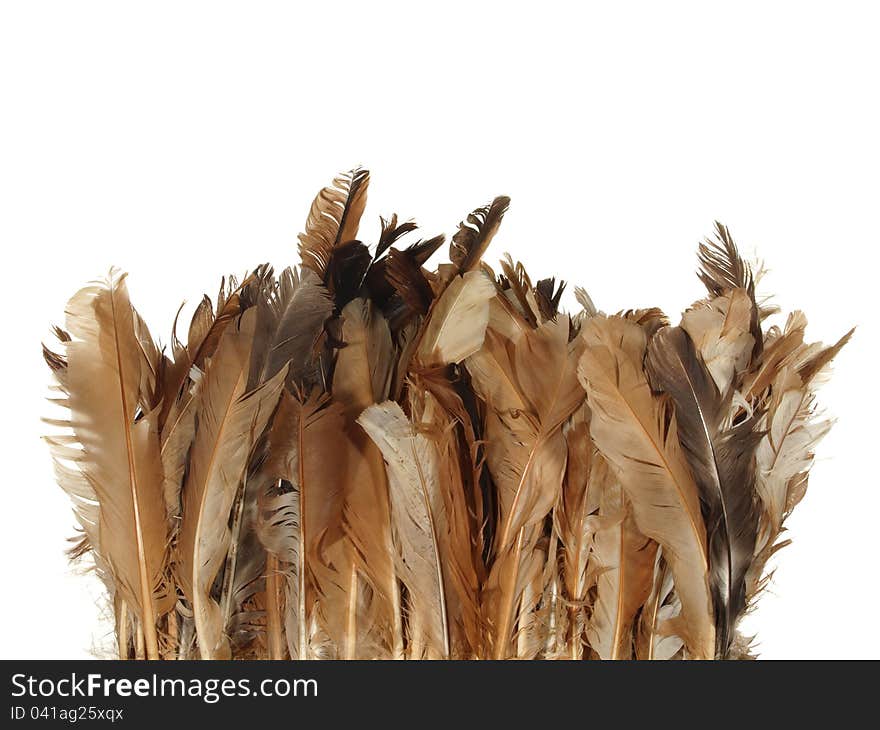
182	141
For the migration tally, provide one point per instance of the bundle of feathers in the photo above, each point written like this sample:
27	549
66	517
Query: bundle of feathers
363	458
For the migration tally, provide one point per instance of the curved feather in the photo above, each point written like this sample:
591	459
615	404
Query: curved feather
575	522
476	233
333	219
290	319
303	451
723	270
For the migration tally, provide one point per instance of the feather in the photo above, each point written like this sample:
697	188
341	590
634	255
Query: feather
623	560
815	364
439	414
175	440
392	233
361	378
382	285
518	290
205	331
454	328
152	364
279	531
346	270
120	458
637	435
586	302
333	219
719	329
722	460
476	233
67	455
457	323
418	516
549	296
660	611
787	449
290	319
723	270
409	281
230	419
530	391
575	522
302	452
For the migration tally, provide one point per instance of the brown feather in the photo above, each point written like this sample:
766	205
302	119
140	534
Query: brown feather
637	435
120	455
333	219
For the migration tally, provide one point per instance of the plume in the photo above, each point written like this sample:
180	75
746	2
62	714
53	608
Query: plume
333	219
575	521
723	270
418	518
721	456
119	466
363	377
476	233
636	433
230	419
290	320
623	560
530	391
304	457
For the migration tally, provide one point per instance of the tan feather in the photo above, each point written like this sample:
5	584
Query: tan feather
720	331
303	452
363	377
120	447
635	433
530	390
623	560
575	522
418	516
230	419
457	322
